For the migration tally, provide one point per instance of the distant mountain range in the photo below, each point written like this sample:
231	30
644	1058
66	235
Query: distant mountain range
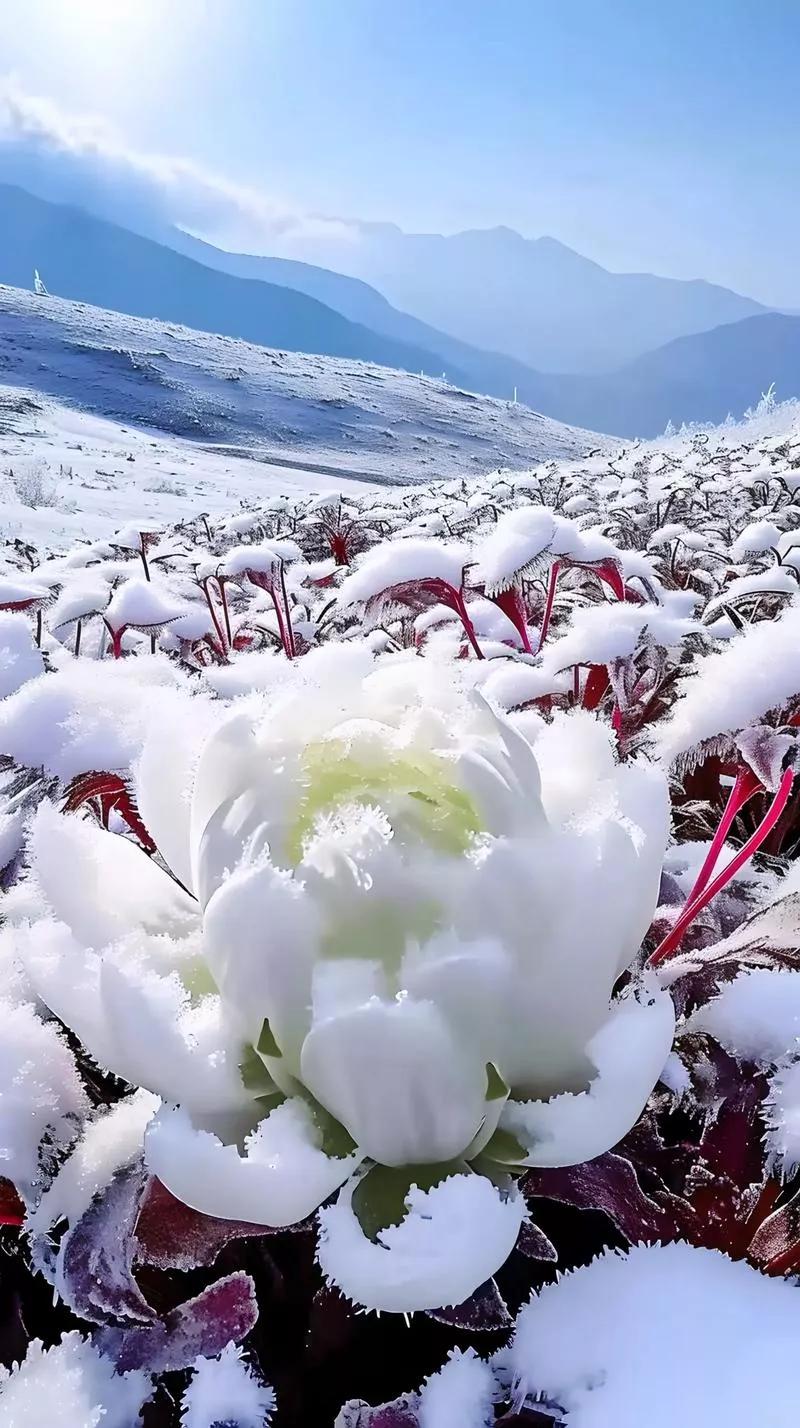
532	298
298	307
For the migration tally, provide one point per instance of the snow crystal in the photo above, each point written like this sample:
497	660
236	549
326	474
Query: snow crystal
731	688
40	1091
667	1334
112	1139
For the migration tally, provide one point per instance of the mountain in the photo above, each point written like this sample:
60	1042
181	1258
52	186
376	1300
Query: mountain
299	411
531	298
91	260
700	378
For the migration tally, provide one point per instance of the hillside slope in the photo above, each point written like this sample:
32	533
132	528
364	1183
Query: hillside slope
320	413
90	260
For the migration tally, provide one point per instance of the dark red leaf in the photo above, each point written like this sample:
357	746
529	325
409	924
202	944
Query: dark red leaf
609	1184
401	1413
534	1244
12	1210
485	1312
169	1235
223	1313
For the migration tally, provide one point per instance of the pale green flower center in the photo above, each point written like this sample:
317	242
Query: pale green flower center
412	787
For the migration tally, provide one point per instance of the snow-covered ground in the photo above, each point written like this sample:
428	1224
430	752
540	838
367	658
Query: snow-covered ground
322	415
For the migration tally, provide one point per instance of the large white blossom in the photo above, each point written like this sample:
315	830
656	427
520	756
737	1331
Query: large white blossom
386	961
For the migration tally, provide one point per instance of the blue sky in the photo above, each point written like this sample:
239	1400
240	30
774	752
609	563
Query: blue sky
649	134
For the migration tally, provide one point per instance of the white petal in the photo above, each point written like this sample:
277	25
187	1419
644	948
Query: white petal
100	884
224	770
40	1090
182	1053
454	1237
282	1176
629	1053
260	931
165	781
406	1089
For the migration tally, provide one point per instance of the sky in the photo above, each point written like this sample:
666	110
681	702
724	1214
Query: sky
651	135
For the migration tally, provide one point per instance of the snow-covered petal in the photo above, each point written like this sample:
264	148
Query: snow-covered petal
282	1176
405	1087
452	1239
629	1053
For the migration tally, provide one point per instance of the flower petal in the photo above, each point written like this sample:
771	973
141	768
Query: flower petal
100	884
281	1178
629	1052
393	1073
453	1238
180	1052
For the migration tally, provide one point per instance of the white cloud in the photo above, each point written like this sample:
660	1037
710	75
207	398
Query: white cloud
81	158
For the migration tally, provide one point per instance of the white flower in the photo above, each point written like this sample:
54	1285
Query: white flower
412	925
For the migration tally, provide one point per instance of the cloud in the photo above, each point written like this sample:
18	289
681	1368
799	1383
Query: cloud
82	159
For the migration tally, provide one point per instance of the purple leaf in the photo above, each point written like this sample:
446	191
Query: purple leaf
534	1244
96	1255
170	1235
201	1327
610	1184
484	1312
400	1413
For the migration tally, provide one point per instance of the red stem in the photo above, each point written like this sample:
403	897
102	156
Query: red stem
694	907
549	602
212	612
221	587
469	628
745	787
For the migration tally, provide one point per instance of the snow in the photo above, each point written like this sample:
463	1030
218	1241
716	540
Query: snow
40	1091
111	1138
142	604
72	1385
666	1334
226	1390
401	562
452	1239
756	1016
20	660
460	1395
733	687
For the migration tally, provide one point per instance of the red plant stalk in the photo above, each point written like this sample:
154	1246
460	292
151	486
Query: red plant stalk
695	906
745	787
116	638
512	604
552	582
289	643
213	613
220	579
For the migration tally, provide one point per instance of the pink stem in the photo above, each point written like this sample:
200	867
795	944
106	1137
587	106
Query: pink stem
744	788
224	599
212	612
511	603
469	628
694	907
289	637
549	602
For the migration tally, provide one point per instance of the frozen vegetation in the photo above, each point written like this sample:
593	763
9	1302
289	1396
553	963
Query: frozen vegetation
400	928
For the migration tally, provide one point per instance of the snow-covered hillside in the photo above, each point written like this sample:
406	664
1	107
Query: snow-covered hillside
322	414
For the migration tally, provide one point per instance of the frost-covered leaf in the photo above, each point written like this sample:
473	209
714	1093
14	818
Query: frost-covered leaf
199	1328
